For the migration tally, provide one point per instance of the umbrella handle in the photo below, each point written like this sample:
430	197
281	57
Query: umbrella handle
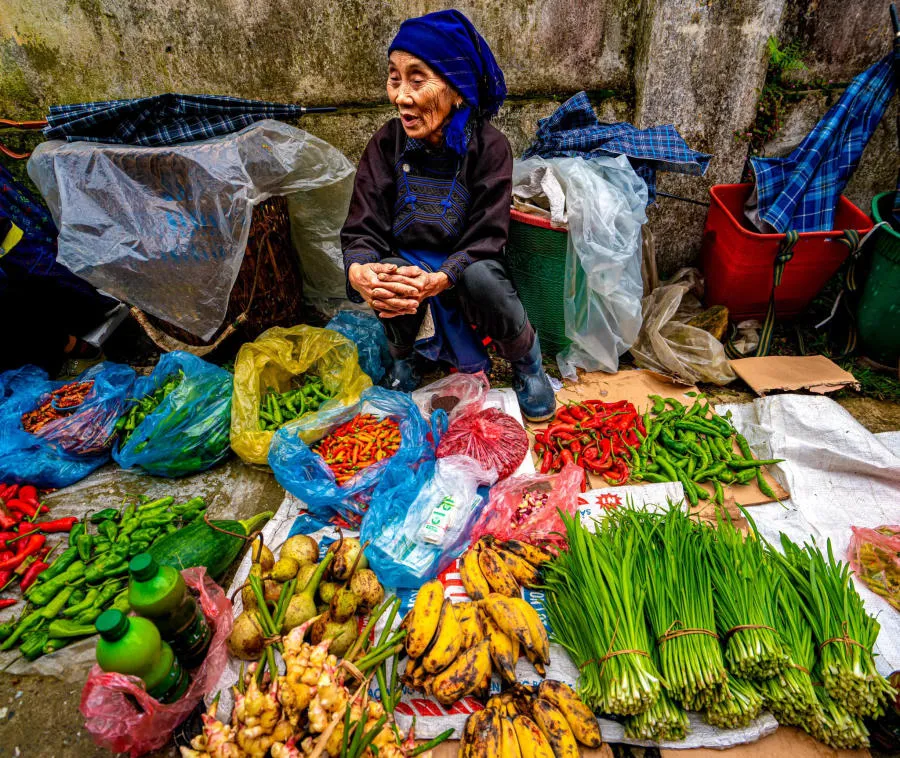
894	20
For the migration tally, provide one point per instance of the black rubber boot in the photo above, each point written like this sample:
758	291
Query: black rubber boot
404	375
532	385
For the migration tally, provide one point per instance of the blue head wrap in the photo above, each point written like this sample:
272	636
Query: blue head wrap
449	43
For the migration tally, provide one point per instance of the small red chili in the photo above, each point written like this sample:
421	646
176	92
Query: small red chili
29	494
6	602
34	543
7	522
26	508
31	575
59	525
546	462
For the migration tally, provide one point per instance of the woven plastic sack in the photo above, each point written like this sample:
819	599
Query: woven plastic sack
875	558
272	360
453	394
118	712
68	449
305	475
526	507
365	331
667	343
188	430
490	436
413	540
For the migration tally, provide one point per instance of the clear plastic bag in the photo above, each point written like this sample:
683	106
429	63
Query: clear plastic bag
413	541
668	344
165	228
189	430
453	394
365	331
874	556
272	360
605	207
304	474
122	717
488	435
66	450
526	507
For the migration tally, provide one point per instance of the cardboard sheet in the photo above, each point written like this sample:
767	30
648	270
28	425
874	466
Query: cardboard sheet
788	373
636	386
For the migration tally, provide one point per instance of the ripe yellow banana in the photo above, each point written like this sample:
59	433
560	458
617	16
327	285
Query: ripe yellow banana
555	728
535	661
469	730
470	626
445	645
464	675
532	741
536	556
422	621
473	580
504	650
525	573
518	619
582	722
486	735
509	743
414	676
498	576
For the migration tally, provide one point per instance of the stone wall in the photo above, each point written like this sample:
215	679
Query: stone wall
699	64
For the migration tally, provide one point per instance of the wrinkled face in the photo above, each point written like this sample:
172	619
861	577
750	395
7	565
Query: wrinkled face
423	98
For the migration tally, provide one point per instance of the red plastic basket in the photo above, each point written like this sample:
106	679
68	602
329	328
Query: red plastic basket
738	262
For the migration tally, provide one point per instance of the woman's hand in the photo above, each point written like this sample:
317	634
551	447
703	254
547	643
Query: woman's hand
425	283
388	299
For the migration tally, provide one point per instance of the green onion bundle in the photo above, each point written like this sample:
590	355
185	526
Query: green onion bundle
664	722
743	704
680	607
595	605
844	633
744	583
836	726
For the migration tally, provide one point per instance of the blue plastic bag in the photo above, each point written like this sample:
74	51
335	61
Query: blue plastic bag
66	450
189	430
365	330
304	474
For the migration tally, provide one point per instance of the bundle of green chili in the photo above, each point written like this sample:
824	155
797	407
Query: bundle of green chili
595	605
841	629
680	604
745	584
738	709
664	722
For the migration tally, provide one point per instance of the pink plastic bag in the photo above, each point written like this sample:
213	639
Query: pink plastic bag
525	507
452	394
875	559
490	436
119	713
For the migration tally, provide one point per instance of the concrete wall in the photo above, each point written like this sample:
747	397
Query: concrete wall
699	64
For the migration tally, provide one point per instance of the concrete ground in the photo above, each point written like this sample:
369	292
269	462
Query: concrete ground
39	715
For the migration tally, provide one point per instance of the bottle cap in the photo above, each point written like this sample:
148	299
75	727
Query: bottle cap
143	567
112	624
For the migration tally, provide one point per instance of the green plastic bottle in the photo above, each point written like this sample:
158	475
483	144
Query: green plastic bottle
132	645
160	594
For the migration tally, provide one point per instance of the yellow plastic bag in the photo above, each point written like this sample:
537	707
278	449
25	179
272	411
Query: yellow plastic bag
272	360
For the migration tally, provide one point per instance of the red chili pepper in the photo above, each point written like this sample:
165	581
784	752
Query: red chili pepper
566	457
34	570
546	462
59	525
596	467
575	447
7	522
605	452
26	508
5	602
618	473
29	494
565	431
34	543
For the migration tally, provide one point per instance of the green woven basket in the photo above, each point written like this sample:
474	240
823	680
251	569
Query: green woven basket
536	257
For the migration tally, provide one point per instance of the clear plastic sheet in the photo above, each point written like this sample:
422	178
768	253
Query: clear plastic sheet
119	713
605	207
668	344
165	228
452	394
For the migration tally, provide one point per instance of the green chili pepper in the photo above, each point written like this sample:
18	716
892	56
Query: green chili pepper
6	629
744	476
659	404
75	532
32	646
163	502
89	599
64	628
121	602
104	515
764	485
675	405
129	511
62	562
720	493
108	529
138	547
53	645
670	442
84	542
36	618
44	593
76	597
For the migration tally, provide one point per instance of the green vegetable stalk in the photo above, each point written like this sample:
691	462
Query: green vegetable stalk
737	710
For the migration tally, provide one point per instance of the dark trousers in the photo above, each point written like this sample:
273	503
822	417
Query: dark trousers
486	297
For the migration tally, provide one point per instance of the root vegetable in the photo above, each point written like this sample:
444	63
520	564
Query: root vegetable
348	557
302	548
247	640
263	557
284	569
327	591
342	635
343	604
302	606
366	586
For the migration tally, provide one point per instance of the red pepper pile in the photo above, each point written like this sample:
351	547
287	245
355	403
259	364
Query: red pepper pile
357	444
55	407
594	435
22	537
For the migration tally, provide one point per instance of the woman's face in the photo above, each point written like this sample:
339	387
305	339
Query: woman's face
423	98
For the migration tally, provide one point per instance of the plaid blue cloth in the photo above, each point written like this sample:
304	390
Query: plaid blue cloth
160	120
573	129
801	192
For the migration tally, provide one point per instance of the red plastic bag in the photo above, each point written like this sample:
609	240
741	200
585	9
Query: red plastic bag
490	436
119	713
875	558
453	394
525	507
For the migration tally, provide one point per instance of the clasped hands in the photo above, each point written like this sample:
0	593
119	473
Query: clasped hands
395	290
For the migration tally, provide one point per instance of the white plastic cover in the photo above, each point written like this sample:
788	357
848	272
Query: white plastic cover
605	207
165	228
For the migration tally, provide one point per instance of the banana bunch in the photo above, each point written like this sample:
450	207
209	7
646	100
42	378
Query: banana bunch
502	567
531	722
453	649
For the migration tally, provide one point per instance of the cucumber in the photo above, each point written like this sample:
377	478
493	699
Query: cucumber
198	545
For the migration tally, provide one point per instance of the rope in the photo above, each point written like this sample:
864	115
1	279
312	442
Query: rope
610	653
846	639
744	627
673	632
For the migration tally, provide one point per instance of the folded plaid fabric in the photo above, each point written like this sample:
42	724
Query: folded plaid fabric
573	130
801	192
160	120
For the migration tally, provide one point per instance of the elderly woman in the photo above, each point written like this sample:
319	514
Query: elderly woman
425	235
